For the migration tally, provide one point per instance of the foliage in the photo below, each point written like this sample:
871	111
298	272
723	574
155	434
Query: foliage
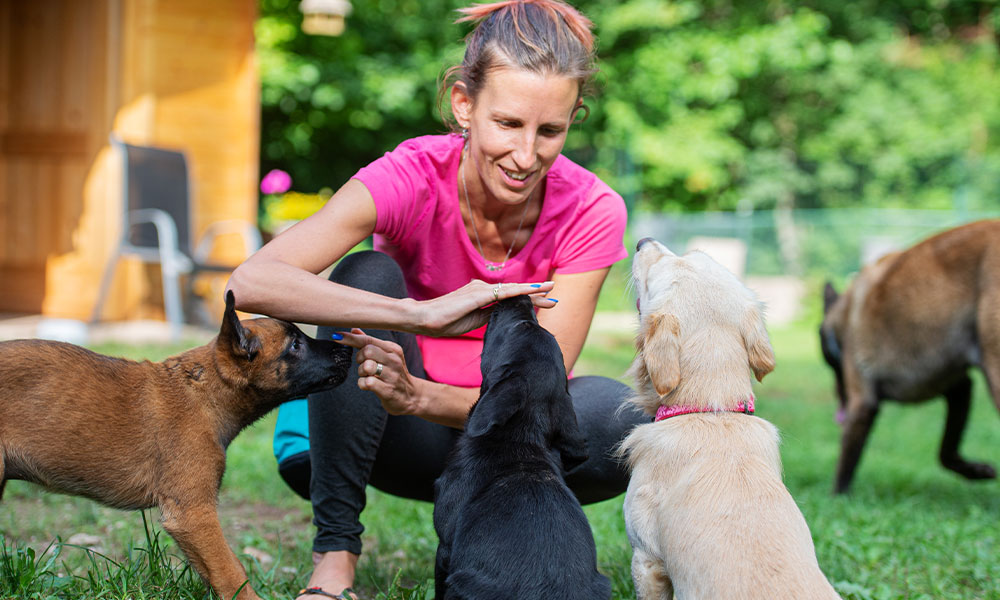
330	105
24	574
821	104
278	210
701	105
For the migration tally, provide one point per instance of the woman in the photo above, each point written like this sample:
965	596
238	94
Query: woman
488	207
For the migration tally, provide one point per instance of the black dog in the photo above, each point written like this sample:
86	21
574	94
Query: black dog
508	526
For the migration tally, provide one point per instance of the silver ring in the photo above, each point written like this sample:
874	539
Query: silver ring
378	369
496	293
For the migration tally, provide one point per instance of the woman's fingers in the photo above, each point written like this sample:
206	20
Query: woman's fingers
501	291
376	350
382	371
543	302
357	338
373	368
373	382
535	291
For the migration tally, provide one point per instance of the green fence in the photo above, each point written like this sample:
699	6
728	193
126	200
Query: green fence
828	243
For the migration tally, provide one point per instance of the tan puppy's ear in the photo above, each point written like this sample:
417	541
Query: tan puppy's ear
661	352
759	351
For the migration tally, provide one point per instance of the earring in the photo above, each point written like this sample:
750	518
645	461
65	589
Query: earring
465	134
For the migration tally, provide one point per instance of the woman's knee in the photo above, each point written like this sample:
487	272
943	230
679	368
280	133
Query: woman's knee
372	271
605	417
603	402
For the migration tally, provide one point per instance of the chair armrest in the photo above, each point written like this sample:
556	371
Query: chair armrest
172	259
250	233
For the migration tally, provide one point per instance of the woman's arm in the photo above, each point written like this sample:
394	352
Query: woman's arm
280	280
570	321
403	394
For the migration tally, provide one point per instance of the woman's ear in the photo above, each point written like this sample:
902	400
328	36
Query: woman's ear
576	112
461	104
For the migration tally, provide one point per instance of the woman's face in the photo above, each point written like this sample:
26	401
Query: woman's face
517	128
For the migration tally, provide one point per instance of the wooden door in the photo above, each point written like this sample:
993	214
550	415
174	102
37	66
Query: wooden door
55	112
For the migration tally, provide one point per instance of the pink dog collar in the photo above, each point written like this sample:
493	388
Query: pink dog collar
665	412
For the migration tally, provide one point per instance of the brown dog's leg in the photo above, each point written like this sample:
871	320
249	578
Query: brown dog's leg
959	397
197	531
857	426
988	327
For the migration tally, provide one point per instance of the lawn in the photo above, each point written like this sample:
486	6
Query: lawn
909	529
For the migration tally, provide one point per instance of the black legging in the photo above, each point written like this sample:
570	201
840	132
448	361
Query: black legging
354	442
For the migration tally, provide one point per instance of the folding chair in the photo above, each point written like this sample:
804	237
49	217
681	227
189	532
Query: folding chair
156	227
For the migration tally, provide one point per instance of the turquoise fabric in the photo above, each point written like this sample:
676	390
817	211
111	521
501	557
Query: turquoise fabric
291	432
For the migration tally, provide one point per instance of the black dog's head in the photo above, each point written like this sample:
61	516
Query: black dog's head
831	343
524	394
276	358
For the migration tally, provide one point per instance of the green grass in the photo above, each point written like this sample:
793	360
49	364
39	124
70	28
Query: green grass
909	530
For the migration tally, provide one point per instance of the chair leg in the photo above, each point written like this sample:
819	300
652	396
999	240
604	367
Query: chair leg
102	294
172	295
172	264
195	305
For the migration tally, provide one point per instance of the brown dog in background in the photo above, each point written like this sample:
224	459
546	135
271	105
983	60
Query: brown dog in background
908	328
706	511
135	435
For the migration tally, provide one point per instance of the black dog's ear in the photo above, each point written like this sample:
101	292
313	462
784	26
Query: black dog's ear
830	296
496	406
569	441
234	335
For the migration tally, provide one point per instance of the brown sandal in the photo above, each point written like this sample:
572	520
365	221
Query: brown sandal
315	591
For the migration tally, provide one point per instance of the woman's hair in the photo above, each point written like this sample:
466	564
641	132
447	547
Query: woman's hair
542	36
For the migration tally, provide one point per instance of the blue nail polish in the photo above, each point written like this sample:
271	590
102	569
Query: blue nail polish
553	299
536	285
337	336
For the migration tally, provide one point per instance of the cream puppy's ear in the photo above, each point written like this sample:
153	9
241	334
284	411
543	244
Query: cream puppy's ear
661	352
759	352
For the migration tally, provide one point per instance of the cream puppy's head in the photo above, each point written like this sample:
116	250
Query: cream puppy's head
701	331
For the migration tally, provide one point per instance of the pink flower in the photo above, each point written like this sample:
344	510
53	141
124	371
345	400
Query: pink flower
276	182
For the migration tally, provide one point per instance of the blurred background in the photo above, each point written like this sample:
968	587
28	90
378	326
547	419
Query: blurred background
148	146
793	140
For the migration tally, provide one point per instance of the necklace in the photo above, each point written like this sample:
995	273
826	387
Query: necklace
492	266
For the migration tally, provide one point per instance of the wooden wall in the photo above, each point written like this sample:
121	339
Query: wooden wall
173	73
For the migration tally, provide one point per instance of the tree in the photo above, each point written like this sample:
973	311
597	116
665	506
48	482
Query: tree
701	105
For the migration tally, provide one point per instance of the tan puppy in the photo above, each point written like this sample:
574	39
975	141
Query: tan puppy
706	511
135	435
909	328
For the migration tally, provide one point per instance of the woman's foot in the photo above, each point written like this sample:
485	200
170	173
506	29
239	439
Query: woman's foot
333	572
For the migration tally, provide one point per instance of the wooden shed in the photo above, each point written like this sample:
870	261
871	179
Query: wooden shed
179	74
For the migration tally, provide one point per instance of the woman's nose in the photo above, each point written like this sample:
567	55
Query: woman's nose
524	152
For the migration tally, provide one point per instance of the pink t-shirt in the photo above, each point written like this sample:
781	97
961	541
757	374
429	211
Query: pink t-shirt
419	224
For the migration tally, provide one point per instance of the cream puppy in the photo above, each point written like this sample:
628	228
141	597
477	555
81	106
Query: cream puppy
706	511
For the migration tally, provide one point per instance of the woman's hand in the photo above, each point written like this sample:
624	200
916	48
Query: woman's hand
468	307
382	370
